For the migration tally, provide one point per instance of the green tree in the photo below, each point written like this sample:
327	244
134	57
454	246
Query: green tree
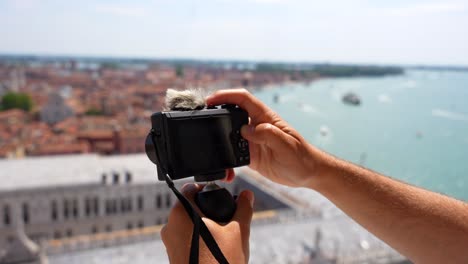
93	112
16	100
179	71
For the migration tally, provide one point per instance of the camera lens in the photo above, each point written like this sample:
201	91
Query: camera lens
150	150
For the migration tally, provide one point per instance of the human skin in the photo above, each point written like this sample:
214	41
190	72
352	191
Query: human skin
424	226
232	238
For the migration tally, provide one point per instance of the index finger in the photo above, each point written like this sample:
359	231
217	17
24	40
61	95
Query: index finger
189	191
258	111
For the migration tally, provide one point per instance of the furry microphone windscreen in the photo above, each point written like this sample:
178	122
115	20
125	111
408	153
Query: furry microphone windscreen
186	100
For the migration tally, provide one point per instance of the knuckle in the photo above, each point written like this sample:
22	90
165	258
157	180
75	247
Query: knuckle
266	127
244	92
163	233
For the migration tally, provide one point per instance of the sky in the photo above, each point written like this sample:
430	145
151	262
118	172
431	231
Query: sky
431	32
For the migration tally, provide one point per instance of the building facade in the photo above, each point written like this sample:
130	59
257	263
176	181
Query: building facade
116	203
64	196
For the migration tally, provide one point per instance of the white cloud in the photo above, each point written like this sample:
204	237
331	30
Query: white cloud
258	1
269	1
427	9
23	4
120	10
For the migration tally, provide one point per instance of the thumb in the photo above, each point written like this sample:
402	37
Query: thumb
264	134
244	211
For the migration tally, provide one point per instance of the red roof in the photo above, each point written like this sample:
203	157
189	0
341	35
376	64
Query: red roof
18	113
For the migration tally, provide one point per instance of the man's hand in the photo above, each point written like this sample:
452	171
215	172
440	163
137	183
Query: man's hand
426	227
232	237
277	151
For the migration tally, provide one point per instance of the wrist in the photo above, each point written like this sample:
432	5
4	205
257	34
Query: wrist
319	167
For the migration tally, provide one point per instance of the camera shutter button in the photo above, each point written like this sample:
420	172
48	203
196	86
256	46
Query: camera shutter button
228	106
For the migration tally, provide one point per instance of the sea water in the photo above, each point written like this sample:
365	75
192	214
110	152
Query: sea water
412	127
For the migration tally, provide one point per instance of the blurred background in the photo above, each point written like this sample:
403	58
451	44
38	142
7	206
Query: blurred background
381	84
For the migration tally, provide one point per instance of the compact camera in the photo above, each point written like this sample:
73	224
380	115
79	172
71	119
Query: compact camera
201	143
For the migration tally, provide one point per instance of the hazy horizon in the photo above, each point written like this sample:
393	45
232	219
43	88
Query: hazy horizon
117	57
414	32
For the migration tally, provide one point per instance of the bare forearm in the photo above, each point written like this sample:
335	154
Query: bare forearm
426	227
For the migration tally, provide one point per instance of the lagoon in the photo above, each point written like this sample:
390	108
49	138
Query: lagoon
412	127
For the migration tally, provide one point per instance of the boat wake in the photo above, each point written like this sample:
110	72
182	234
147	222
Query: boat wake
410	84
384	98
449	115
306	108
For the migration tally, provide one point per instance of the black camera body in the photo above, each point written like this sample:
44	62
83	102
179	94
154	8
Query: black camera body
201	143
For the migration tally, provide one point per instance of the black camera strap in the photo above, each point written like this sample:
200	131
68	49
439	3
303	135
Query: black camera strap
199	229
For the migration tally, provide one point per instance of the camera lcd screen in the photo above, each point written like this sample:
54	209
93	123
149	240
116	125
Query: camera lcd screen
202	144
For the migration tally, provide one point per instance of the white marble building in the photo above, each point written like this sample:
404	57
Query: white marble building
57	197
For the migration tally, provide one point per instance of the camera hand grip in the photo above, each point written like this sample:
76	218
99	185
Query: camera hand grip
217	204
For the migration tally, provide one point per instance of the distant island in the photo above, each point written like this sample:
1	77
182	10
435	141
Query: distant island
296	70
332	70
440	68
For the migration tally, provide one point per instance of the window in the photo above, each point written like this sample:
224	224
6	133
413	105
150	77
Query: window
111	206
158	201
108	228
128	177
6	215
168	200
87	207
115	208
140	224
130	204
96	206
129	226
123	205
108	207
69	233
57	235
75	209
115	178
53	212
25	213
94	230
66	209
140	203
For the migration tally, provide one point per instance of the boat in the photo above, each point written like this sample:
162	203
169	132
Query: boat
276	98
351	98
